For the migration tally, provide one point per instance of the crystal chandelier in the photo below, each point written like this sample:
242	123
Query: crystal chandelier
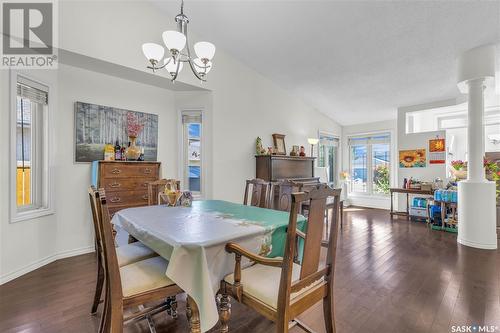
176	42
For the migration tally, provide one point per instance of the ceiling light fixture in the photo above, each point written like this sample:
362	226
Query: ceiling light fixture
176	41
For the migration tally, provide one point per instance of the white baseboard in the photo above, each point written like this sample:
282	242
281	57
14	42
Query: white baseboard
370	201
44	261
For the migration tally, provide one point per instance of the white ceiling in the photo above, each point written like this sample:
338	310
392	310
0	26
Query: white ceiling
355	61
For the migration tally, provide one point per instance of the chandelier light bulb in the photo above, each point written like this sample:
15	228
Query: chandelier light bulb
204	50
153	51
174	40
171	67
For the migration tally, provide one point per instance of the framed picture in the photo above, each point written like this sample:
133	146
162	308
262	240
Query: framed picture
279	144
97	125
414	158
437	151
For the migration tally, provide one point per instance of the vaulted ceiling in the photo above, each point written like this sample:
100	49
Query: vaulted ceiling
356	61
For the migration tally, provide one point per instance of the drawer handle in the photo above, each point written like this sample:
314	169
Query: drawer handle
115	199
145	185
145	197
115	185
147	171
116	171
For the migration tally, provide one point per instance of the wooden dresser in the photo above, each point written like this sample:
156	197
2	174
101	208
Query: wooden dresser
125	183
279	167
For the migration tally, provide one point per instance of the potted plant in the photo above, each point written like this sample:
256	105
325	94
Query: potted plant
459	169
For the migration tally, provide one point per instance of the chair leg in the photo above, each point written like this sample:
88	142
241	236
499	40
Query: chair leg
328	311
194	320
151	324
98	287
224	312
189	312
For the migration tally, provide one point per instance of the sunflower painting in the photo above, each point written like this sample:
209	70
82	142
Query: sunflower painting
414	158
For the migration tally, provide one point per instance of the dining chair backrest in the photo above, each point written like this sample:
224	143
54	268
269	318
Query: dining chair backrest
310	268
280	197
259	193
113	321
93	207
158	186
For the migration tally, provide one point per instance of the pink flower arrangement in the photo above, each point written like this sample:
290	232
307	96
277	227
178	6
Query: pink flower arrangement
458	165
134	127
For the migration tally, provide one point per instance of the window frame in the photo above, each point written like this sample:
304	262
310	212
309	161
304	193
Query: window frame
183	161
40	157
369	163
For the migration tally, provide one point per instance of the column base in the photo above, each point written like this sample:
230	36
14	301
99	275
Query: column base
477	214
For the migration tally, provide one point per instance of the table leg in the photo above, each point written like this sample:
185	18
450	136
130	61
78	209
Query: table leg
407	206
341	213
392	207
193	315
443	214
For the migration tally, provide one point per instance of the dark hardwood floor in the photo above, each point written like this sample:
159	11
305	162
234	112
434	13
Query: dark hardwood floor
390	277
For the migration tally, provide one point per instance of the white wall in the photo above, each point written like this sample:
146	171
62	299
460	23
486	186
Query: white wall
389	126
242	106
416	141
26	244
245	104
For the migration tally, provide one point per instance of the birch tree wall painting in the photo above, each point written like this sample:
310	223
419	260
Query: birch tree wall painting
97	125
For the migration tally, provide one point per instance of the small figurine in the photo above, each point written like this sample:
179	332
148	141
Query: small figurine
259	149
269	150
302	151
294	151
186	199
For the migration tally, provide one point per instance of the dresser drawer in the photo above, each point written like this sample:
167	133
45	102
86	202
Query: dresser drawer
129	198
119	170
125	184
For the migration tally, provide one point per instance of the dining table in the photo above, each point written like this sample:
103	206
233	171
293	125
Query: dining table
193	241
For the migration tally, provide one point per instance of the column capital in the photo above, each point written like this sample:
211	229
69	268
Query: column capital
475	64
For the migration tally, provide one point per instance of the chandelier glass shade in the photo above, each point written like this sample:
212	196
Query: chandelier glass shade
176	42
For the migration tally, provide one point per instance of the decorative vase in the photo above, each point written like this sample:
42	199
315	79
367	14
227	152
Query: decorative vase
132	152
459	174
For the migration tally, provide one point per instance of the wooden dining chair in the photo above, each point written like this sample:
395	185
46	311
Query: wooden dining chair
280	197
158	186
259	190
132	285
278	288
126	253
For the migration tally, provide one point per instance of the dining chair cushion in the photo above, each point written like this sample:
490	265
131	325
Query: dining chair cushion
263	283
144	275
133	252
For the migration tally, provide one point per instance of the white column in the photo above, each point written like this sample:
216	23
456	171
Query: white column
476	195
475	130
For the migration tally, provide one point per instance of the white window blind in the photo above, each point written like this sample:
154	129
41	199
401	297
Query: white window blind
191	118
33	91
369	139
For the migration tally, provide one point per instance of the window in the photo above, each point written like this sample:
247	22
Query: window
370	163
327	156
192	150
30	149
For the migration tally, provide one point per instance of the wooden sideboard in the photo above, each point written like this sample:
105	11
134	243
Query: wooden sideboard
279	167
126	183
